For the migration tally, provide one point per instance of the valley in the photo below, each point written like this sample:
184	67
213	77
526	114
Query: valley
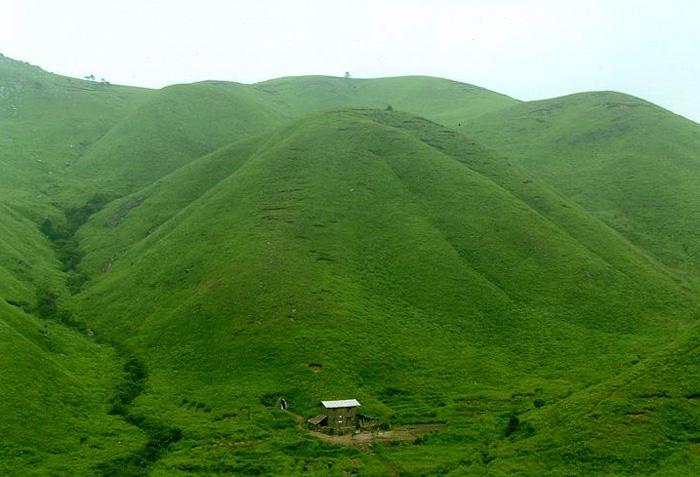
518	278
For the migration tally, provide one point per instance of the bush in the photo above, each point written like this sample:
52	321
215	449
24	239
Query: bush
130	387
513	424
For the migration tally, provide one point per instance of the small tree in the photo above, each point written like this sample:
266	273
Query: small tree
347	75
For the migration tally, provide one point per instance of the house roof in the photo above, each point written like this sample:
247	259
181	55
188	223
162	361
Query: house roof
343	403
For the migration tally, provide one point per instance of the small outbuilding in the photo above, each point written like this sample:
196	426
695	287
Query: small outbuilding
339	416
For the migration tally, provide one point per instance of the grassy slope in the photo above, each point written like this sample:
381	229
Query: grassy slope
183	122
630	162
47	123
448	102
56	386
81	134
55	383
294	235
178	124
114	231
298	245
27	262
646	421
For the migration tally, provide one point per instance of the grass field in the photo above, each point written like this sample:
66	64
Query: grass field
522	274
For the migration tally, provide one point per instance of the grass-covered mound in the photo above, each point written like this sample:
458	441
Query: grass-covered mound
48	122
449	102
631	163
414	265
177	125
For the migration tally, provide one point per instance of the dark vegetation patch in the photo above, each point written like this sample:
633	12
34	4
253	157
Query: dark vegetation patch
124	210
132	385
62	236
160	435
391	392
270	399
195	405
516	428
655	395
48	308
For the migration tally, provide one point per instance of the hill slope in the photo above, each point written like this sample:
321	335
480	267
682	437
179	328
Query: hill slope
47	123
206	249
630	162
346	240
183	122
177	125
644	422
57	386
445	101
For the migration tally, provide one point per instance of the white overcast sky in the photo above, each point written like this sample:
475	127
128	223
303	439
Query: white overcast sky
528	49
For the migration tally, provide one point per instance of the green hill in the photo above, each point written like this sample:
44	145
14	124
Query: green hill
509	274
643	422
183	122
177	125
48	122
298	244
27	262
56	388
448	102
631	163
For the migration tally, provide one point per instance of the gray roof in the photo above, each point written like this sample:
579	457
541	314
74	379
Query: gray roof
343	403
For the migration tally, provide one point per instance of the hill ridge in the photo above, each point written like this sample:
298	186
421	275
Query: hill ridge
447	255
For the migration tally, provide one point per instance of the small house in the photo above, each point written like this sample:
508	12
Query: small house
338	416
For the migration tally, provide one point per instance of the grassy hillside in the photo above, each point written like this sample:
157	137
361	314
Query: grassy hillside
296	239
173	261
48	122
183	122
56	391
631	163
645	421
127	221
448	102
69	146
27	261
178	124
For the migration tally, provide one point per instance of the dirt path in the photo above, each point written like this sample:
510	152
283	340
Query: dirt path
365	439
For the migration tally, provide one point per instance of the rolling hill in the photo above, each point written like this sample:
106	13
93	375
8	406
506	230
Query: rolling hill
47	123
56	386
631	163
520	276
643	422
